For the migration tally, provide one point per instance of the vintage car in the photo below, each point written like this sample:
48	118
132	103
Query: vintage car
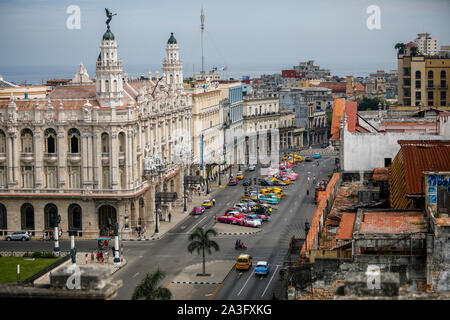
251	223
268	199
198	210
262	268
250	196
244	262
229	219
240	175
317	156
261	217
265	183
207	204
233	181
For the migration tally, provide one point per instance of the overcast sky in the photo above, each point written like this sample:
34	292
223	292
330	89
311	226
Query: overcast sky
238	32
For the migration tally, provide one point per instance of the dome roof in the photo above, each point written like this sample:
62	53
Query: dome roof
108	35
172	39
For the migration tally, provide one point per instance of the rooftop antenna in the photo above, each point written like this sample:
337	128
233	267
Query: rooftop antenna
202	28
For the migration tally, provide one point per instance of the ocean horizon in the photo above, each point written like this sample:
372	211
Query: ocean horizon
35	75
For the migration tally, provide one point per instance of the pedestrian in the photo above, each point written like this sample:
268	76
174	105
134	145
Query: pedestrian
107	257
101	257
307	192
214	202
170	217
59	233
86	258
98	256
92	256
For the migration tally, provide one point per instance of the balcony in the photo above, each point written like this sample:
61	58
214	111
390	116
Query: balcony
74	157
50	158
27	157
2	157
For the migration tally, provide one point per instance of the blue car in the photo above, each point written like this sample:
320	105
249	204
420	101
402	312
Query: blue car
317	156
253	217
262	268
266	183
268	199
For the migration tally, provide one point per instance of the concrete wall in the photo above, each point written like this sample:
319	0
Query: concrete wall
367	151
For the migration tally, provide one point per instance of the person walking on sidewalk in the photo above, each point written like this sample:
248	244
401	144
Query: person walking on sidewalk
92	256
214	202
86	258
170	217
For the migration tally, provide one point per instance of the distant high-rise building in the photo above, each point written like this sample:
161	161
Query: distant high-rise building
427	45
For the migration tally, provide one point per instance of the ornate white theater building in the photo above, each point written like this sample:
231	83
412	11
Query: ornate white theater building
87	151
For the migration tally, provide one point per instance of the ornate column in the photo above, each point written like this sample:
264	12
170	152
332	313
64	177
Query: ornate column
62	157
10	137
114	161
16	143
130	157
96	159
84	158
38	159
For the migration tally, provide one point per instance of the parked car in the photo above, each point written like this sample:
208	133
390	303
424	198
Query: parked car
240	175
250	196
233	182
207	204
242	206
229	219
247	182
18	235
262	268
317	156
277	182
265	183
308	159
324	145
251	167
198	210
265	164
260	217
251	223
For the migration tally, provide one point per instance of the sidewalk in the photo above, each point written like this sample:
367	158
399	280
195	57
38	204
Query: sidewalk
177	212
45	279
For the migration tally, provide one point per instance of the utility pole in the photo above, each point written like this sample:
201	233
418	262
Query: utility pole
202	28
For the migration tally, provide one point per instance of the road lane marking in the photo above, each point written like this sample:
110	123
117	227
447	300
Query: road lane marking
197	224
245	283
135	275
269	281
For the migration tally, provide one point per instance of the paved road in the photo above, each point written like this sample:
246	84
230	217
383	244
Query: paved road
273	242
170	254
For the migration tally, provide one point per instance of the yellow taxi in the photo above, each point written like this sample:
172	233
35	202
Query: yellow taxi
240	175
244	262
272	190
251	196
268	191
207	204
298	158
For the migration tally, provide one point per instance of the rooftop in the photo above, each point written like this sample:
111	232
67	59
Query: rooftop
392	222
345	231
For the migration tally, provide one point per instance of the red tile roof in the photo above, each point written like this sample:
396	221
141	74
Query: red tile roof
359	87
338	111
334	86
351	109
345	231
392	222
420	156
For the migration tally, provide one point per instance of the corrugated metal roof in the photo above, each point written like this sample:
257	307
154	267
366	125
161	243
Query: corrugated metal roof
420	156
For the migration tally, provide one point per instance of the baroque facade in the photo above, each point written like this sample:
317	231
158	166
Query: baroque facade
82	151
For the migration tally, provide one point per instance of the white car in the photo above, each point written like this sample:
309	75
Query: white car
241	206
251	223
251	167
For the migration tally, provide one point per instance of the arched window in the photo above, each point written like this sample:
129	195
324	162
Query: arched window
2	142
107	86
27	140
107	217
50	140
74	140
74	216
27	217
3	217
121	142
50	216
105	142
115	86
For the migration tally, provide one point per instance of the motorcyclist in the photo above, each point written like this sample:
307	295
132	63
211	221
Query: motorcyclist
307	192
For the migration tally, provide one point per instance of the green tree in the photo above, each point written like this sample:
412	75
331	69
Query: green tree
200	241
148	289
400	47
414	51
371	103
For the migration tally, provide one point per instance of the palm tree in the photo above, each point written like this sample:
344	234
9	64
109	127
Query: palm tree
148	288
400	47
414	51
199	240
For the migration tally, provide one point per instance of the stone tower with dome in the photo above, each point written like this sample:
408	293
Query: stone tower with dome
172	65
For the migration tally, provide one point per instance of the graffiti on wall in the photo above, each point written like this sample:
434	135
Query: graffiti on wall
435	182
